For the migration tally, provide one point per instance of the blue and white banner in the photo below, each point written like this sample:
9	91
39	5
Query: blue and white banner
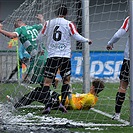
102	64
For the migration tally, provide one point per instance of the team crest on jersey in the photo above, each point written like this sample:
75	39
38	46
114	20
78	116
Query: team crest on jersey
61	47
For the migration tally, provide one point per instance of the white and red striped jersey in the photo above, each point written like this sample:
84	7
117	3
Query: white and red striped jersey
58	34
124	29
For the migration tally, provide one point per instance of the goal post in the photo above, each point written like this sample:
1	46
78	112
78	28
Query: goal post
131	61
86	51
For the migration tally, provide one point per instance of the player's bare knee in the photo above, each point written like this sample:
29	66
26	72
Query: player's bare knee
66	80
47	82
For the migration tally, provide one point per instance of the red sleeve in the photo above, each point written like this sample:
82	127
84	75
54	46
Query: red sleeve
73	28
125	25
44	28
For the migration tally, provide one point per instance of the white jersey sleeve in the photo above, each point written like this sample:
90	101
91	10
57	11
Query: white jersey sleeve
75	34
117	36
40	36
43	32
124	28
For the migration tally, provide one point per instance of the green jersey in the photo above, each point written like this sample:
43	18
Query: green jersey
37	68
27	35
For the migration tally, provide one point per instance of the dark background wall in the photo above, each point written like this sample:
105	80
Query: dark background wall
7	7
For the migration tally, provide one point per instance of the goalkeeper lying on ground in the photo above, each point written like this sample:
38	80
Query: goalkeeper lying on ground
85	100
73	101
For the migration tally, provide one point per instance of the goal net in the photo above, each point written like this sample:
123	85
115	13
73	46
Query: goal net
105	18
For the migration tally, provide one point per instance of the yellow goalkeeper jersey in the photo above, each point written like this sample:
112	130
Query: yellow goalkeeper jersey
81	101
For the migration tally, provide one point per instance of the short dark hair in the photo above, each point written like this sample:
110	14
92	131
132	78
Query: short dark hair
98	85
62	10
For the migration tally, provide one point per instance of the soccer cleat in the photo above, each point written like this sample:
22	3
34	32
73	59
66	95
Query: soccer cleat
46	111
62	108
116	116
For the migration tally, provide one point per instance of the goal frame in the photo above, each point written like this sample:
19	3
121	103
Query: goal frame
86	51
131	60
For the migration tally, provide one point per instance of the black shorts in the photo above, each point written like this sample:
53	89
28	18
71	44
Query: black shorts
55	63
125	71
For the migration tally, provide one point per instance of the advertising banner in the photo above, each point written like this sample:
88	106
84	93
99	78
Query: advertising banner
102	64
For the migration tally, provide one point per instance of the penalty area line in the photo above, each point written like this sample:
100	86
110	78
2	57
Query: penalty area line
110	116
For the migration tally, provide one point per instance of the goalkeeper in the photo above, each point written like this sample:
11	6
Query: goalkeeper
27	36
84	101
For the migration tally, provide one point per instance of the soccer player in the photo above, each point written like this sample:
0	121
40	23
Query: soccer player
85	101
27	35
59	32
124	73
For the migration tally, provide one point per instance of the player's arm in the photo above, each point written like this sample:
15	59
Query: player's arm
124	28
115	38
40	37
40	18
39	26
39	43
6	33
76	35
71	102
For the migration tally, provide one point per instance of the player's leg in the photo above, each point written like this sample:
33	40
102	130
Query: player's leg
56	79
27	99
51	68
120	96
65	71
15	70
29	68
65	89
38	70
37	95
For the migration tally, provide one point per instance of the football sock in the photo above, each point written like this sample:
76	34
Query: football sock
36	95
46	96
64	93
120	97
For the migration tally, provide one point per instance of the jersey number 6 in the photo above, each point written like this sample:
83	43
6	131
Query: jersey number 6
57	34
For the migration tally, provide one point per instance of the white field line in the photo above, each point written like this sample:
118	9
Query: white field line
95	110
27	86
110	116
78	124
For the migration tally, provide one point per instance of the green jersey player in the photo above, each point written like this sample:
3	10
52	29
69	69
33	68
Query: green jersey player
27	35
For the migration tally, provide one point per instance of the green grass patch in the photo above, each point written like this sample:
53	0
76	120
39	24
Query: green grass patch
105	103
